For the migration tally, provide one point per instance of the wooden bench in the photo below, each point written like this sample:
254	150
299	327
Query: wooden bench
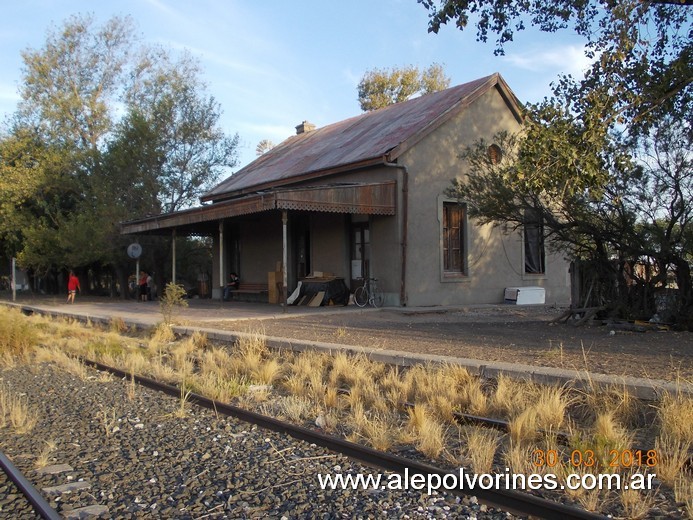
250	292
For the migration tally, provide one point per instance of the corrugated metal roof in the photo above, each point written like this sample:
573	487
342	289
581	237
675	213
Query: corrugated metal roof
360	141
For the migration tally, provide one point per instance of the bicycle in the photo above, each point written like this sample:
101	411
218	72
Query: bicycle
369	293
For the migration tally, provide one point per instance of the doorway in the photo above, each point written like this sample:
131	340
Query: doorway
360	253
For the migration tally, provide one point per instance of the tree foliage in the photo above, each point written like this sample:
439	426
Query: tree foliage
263	147
382	87
641	52
107	129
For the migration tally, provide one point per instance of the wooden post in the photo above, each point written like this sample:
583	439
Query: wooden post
173	255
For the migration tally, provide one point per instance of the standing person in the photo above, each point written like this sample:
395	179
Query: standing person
142	284
72	287
150	287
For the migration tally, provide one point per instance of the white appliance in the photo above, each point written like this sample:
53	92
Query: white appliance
525	295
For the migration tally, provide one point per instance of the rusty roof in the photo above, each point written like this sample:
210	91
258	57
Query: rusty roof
368	139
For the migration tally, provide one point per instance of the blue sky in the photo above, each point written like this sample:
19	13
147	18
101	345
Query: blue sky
275	63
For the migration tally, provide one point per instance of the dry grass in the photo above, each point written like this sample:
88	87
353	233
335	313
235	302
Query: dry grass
108	420
22	417
480	446
675	413
65	361
636	504
117	325
44	457
17	336
429	436
683	493
551	406
523	428
373	410
379	430
672	454
518	457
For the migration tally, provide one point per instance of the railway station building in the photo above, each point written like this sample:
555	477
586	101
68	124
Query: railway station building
366	197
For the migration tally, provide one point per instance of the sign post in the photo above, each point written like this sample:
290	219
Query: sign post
14	279
135	251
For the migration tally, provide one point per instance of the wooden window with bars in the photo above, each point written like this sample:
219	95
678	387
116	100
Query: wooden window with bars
453	238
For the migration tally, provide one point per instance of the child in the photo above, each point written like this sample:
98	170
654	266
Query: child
72	287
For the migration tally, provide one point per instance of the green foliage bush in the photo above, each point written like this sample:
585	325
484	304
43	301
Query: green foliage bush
174	296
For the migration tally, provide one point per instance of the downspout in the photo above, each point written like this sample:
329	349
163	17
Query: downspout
405	220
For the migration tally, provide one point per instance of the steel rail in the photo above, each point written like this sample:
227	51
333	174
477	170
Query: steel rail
508	500
35	498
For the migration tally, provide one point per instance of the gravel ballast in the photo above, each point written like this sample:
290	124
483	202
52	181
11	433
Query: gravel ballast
129	452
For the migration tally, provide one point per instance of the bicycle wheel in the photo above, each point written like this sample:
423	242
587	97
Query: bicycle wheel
361	296
378	298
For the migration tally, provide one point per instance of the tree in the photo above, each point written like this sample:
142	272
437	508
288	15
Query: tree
192	149
83	166
382	87
263	147
641	52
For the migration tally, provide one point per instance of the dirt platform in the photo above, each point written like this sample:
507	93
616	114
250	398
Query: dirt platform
505	333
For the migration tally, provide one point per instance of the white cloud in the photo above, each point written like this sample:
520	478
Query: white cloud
566	59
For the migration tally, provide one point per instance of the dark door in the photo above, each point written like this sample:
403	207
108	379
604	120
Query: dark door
360	253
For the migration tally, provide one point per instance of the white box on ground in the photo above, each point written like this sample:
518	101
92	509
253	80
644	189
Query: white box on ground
525	295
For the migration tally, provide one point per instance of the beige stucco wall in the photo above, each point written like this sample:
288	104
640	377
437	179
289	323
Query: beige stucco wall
329	246
495	257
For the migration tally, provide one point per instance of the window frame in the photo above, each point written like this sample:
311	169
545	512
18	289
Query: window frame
537	222
447	275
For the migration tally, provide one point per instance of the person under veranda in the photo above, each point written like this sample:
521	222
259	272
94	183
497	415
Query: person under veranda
72	287
232	285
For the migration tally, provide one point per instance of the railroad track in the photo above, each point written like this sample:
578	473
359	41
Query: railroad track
38	503
507	500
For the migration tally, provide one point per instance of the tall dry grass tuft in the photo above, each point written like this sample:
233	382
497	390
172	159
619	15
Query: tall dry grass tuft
507	397
479	447
523	428
636	504
67	362
117	325
379	431
518	457
672	455
551	406
425	431
683	493
17	336
675	414
43	458
22	417
394	390
267	372
605	435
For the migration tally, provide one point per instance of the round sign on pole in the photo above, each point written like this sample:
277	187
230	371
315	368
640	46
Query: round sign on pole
134	250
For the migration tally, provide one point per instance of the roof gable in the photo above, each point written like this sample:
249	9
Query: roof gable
368	139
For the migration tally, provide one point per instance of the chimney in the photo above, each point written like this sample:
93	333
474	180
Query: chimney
304	128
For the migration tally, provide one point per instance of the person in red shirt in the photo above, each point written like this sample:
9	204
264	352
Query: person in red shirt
72	287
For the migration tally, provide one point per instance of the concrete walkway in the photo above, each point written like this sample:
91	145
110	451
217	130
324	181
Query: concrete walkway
200	311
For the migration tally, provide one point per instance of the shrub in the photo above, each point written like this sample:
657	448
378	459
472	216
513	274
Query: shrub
174	296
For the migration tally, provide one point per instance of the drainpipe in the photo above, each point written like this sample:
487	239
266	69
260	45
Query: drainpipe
405	219
222	278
